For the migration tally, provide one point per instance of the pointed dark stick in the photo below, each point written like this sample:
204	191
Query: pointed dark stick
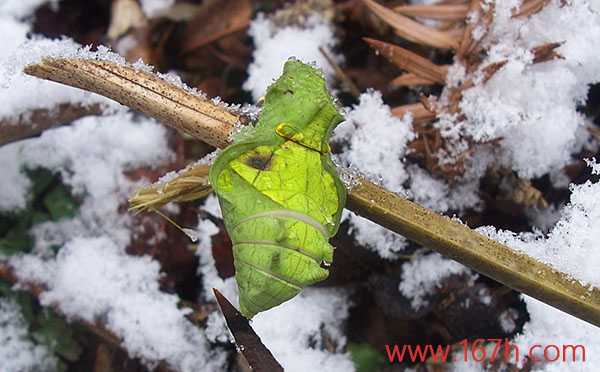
249	344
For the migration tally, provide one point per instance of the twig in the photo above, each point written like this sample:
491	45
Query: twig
184	111
346	81
32	123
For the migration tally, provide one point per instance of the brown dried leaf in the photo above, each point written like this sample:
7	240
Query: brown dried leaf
409	61
488	72
409	80
419	113
411	30
530	7
468	44
447	12
546	52
215	20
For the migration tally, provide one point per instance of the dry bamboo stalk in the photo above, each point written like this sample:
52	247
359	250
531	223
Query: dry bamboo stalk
411	30
144	92
457	241
392	211
409	61
454	12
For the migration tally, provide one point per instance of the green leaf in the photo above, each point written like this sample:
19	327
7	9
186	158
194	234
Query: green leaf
6	222
365	357
60	203
41	179
55	333
17	240
279	192
39	217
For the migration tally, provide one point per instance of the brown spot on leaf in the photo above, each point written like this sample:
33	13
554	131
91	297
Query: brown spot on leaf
259	161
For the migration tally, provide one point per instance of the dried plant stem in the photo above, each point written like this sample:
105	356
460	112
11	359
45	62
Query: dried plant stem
191	114
396	213
459	242
190	184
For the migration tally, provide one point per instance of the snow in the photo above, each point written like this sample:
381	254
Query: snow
275	45
572	245
91	155
211	205
424	273
15	33
377	140
205	230
302	319
17	352
19	9
153	8
13	183
436	194
375	143
93	279
21	93
533	107
549	326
